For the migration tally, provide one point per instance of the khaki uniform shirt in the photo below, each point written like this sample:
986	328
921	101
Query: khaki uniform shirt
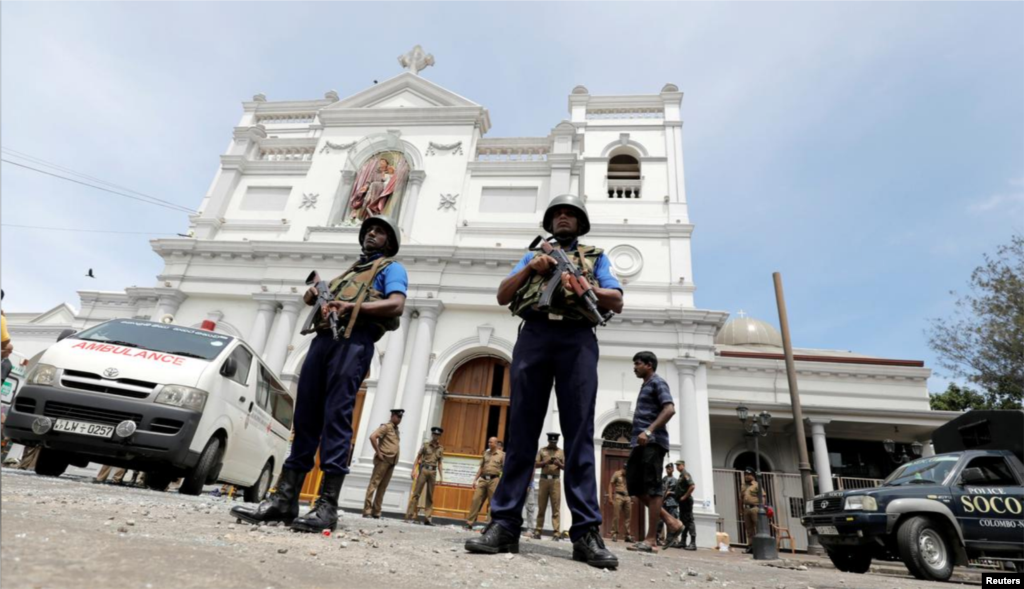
492	463
430	454
388	442
546	454
751	495
619	482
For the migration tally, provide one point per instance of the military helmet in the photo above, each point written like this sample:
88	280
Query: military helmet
567	200
394	235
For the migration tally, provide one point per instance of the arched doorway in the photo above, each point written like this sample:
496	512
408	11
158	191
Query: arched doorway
476	402
614	454
749	460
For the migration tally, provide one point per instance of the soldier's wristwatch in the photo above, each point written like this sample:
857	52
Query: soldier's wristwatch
648	433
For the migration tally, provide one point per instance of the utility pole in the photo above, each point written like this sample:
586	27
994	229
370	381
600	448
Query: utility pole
798	415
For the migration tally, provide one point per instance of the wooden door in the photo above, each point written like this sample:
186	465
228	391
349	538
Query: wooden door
612	459
475	407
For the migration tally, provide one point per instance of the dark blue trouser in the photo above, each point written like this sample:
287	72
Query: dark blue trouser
328	383
564	353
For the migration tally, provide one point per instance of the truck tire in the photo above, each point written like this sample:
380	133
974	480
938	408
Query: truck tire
197	477
925	549
258	490
52	463
158	481
851	560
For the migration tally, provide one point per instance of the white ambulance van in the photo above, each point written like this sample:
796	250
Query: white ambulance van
168	400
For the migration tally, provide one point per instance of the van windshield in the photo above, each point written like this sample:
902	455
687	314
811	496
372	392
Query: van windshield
924	471
158	337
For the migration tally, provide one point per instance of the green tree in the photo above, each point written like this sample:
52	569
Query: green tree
958	399
983	341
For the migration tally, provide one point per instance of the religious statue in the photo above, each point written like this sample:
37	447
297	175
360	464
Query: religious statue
381	178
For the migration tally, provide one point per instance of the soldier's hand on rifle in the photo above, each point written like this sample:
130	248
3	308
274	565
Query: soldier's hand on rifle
542	264
567	282
340	307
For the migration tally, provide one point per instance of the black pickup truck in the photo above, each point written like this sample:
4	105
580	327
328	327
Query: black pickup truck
964	503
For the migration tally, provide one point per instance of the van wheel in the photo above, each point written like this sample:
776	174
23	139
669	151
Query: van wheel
52	463
925	550
258	491
158	481
851	560
197	477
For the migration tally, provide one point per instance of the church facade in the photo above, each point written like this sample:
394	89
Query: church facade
296	179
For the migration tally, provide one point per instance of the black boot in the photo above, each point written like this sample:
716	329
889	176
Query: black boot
692	545
590	549
280	506
324	515
494	539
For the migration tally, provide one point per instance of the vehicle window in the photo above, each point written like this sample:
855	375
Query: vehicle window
157	337
283	408
243	358
263	388
996	470
924	471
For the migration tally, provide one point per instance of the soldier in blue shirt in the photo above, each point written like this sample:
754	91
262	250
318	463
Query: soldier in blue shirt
556	347
654	409
331	375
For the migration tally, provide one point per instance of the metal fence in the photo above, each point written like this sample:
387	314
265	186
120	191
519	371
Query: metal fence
782	491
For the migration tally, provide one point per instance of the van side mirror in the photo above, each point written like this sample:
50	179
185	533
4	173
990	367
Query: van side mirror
972	476
66	334
229	367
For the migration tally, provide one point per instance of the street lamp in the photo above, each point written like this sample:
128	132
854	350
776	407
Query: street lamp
756	427
890	449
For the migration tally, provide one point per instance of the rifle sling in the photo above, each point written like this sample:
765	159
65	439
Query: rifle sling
362	297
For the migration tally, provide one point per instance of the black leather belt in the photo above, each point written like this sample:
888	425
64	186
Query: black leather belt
488	477
428	466
549	476
621	493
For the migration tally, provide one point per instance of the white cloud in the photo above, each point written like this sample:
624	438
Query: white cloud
1002	202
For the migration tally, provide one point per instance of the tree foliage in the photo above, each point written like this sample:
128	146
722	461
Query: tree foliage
983	341
957	398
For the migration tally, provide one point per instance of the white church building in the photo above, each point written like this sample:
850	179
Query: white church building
286	199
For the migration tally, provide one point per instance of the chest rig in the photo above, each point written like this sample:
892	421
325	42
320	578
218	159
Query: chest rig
566	304
355	285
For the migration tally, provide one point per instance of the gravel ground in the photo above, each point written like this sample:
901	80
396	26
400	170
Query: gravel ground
67	532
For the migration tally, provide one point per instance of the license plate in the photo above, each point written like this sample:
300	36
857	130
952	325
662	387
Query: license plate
827	530
86	429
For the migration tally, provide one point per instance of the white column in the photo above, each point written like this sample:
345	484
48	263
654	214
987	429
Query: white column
821	463
169	302
261	326
694	434
284	331
411	199
341	198
416	379
387	384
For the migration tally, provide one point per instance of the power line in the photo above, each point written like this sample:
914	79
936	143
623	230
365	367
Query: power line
86	230
173	207
32	158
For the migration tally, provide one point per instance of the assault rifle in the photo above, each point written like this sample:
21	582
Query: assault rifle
577	282
323	296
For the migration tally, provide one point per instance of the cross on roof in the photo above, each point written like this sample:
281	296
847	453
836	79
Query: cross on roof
741	314
416	60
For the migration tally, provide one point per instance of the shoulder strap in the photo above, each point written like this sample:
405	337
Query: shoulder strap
365	290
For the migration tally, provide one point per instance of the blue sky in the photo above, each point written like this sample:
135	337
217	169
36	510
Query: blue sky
870	152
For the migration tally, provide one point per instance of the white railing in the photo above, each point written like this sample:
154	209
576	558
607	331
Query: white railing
623	188
286	118
286	154
512	154
625	113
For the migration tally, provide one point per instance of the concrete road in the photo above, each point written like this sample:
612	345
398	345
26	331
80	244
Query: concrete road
68	532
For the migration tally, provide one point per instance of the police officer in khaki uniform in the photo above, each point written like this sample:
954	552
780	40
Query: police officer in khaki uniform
486	480
550	461
428	465
750	496
385	442
622	504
